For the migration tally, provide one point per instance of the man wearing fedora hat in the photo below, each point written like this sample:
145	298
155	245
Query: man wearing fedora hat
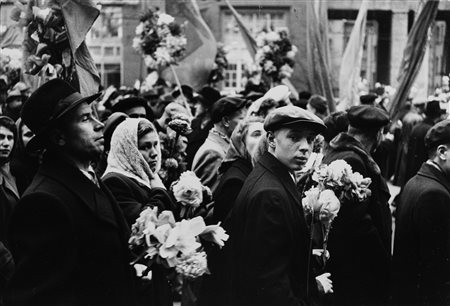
360	242
67	235
268	231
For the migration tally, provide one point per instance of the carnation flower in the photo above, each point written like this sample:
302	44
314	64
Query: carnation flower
272	36
290	54
192	265
188	190
165	19
330	205
311	200
171	163
181	124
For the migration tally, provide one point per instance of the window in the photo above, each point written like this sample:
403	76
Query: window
239	58
108	24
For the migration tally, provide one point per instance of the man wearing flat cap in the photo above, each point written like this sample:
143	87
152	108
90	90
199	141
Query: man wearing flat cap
226	113
360	242
421	264
269	236
67	235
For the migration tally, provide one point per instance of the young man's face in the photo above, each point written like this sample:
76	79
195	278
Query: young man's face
6	144
292	146
83	134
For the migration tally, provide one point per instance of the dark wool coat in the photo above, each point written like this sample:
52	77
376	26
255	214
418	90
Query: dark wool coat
69	240
422	240
417	152
134	197
216	286
269	239
360	237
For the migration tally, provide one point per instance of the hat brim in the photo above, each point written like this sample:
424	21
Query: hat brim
37	142
301	123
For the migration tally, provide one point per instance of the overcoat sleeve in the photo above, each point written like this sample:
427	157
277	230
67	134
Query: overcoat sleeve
43	243
432	217
206	167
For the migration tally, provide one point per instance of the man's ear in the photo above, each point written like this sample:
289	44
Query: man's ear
226	121
271	139
442	152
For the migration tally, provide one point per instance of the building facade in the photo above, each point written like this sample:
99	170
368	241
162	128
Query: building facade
388	23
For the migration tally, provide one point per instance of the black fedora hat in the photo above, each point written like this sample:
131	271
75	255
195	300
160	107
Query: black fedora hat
46	105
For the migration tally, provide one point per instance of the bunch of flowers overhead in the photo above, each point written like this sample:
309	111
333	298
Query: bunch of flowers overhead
220	65
275	54
157	238
332	184
10	64
173	148
46	45
159	39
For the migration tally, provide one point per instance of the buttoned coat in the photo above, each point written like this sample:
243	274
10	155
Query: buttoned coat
269	239
69	238
421	267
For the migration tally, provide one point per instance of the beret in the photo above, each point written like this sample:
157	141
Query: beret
208	96
225	107
368	99
292	115
188	92
438	134
127	103
367	117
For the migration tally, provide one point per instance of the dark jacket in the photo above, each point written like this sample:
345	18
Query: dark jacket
269	239
216	286
422	240
134	197
417	152
360	238
69	240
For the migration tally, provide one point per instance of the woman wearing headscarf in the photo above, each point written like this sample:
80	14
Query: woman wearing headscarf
236	166
24	164
133	163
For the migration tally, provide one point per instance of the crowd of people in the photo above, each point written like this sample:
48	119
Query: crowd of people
76	172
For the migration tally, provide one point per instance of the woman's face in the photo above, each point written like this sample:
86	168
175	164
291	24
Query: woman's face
148	145
254	133
26	135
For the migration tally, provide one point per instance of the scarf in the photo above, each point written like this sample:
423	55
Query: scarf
124	156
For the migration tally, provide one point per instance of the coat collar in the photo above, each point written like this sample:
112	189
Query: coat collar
272	164
97	200
8	180
222	141
435	174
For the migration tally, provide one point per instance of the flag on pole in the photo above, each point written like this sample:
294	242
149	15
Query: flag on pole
79	16
349	74
249	40
413	54
195	67
317	53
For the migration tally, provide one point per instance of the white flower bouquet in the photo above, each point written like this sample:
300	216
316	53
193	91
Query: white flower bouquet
157	238
275	55
332	184
159	39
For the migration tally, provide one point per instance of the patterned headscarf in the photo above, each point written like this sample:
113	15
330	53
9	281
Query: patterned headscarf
124	156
